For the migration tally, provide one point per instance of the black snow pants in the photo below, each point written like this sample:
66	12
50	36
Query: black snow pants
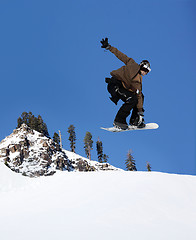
130	101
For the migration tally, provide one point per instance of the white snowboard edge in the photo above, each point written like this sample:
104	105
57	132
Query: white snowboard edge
147	127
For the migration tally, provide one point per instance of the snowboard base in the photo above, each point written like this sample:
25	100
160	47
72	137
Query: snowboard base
130	128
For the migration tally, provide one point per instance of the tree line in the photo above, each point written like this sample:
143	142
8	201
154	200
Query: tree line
38	124
33	122
131	164
88	144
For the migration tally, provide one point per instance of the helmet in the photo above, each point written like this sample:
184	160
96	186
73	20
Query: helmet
145	66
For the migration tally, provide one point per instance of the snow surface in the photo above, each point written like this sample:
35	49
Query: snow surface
15	138
97	205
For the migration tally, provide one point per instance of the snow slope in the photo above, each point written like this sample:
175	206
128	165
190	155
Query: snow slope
97	205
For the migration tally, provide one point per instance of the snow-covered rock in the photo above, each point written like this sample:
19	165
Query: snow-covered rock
29	152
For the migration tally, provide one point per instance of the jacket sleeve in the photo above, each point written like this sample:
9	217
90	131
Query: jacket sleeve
121	56
140	102
138	85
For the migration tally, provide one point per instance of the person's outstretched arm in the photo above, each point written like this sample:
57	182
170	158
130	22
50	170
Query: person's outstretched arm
121	56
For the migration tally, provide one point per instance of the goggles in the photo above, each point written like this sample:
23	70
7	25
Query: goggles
145	68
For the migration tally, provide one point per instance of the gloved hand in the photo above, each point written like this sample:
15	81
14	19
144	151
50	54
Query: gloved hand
141	123
141	113
105	43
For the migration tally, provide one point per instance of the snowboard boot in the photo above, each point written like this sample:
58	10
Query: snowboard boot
135	122
141	125
122	126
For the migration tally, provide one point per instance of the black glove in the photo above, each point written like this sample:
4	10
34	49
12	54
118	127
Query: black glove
141	123
105	43
141	113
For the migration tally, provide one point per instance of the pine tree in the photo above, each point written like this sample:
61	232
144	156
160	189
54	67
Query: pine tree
40	124
35	123
45	130
42	127
99	147
19	122
88	144
148	167
72	137
30	117
105	158
130	162
101	157
56	138
25	118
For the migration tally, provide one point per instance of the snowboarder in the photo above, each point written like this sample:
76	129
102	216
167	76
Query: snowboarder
126	84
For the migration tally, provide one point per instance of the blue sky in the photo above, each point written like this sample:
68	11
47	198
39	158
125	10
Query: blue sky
51	63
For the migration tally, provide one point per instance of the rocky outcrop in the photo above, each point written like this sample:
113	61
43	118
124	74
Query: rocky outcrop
83	166
30	153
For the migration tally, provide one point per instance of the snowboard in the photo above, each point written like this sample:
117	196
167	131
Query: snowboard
130	128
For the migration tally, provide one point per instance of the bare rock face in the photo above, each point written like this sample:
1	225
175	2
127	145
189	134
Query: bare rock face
84	166
12	149
30	153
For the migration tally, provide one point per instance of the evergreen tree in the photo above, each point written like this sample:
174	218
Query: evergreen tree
130	162
32	122
45	130
35	123
42	127
40	124
19	122
105	158
72	137
25	118
99	147
30	117
56	138
88	144
101	157
148	167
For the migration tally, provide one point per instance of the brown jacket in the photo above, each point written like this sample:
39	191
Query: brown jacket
129	75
